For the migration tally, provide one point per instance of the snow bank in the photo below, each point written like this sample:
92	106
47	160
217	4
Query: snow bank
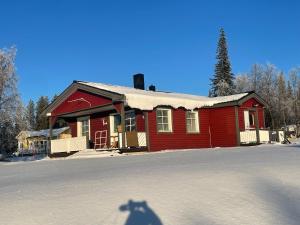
147	100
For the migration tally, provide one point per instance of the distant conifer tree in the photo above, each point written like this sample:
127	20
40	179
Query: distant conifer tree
222	82
41	120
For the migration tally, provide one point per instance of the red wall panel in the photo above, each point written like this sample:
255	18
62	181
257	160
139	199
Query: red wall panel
222	126
247	106
179	138
98	122
140	121
72	123
73	102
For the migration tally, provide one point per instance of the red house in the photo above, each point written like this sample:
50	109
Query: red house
108	116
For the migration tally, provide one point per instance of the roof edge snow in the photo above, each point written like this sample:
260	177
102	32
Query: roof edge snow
148	100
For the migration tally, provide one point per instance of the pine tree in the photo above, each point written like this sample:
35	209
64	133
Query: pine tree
30	113
41	121
54	97
223	80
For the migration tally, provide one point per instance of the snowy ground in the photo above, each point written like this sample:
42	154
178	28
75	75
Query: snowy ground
250	185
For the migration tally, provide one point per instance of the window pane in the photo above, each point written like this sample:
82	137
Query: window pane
188	127
193	127
159	120
132	128
165	119
159	127
193	115
84	128
188	115
130	121
117	122
192	122
166	127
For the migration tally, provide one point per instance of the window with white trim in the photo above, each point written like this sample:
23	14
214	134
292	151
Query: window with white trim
130	124
192	122
164	120
251	119
83	129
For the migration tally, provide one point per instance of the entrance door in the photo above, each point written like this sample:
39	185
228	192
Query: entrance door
115	121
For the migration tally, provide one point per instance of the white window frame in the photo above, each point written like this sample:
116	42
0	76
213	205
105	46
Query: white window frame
247	115
196	120
169	120
79	126
246	119
252	115
132	121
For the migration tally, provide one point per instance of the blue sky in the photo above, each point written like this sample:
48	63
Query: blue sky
172	42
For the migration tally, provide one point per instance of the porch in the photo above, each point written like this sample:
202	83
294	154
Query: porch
261	136
75	144
108	127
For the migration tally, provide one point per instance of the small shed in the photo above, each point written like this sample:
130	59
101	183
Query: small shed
35	142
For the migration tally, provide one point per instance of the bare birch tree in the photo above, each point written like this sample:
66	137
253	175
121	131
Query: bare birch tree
11	109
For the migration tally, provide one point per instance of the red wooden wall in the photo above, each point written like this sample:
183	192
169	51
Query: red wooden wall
247	106
140	121
217	128
179	138
72	122
69	105
222	126
98	122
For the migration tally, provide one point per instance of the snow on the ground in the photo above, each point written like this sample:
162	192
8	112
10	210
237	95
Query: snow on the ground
77	155
247	185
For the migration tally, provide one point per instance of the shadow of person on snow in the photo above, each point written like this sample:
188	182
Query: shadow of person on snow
140	214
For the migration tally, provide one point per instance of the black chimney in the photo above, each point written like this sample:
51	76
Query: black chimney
152	88
138	81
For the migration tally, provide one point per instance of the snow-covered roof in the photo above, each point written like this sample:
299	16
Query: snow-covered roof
44	133
147	100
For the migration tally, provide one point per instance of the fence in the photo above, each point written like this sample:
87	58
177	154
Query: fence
265	136
69	144
248	136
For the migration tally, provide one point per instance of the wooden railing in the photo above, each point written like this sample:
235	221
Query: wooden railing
249	136
69	144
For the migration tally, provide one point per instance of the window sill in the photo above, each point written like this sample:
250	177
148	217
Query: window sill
165	132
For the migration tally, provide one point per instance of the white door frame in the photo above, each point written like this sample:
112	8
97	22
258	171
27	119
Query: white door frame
79	126
112	134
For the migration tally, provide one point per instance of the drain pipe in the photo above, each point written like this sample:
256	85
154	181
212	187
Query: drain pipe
209	136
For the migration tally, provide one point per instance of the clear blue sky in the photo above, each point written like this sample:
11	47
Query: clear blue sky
172	42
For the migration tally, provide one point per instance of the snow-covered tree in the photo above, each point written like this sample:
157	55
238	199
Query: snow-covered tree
222	88
30	114
223	72
11	109
242	83
281	100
